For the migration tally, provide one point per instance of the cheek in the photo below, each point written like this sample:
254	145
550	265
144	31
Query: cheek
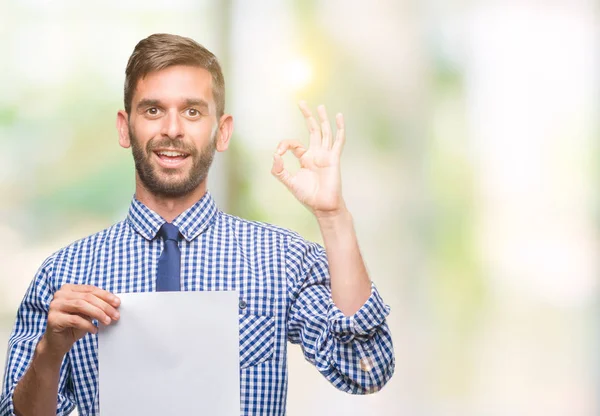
202	127
148	129
201	132
144	132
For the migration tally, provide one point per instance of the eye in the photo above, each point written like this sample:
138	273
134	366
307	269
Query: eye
192	112
152	111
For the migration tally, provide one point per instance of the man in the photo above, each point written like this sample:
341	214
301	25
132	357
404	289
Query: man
290	289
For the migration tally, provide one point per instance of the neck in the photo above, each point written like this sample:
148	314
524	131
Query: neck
168	207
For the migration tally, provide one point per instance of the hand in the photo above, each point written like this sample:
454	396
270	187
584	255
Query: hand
71	313
318	183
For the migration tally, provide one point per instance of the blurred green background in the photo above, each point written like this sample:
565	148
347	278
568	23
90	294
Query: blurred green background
470	168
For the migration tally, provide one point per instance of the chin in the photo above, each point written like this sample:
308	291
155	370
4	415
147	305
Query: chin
177	189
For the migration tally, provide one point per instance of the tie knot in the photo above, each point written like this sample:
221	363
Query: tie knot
169	232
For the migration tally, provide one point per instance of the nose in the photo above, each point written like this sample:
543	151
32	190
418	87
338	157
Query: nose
172	126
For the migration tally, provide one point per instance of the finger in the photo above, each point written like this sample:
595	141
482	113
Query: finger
74	321
325	127
108	309
101	293
82	307
340	134
295	146
278	170
79	322
313	127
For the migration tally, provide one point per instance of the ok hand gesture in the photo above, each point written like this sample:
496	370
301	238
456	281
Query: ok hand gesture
318	183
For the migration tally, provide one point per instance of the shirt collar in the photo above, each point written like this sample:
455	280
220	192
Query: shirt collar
191	223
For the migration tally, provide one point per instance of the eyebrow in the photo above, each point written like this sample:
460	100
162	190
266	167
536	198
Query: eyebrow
150	102
190	102
146	102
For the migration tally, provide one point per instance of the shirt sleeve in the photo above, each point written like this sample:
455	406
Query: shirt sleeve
29	327
354	353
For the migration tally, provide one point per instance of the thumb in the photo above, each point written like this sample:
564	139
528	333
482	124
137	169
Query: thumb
279	171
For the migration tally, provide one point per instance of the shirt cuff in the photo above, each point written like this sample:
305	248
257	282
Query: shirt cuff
363	323
7	407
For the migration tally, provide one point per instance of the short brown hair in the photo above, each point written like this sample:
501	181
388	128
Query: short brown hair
162	50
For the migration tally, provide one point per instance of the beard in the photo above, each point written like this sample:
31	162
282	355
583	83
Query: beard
170	182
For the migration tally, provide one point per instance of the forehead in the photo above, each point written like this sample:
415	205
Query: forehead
175	82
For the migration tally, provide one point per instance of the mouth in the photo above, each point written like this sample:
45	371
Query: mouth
171	159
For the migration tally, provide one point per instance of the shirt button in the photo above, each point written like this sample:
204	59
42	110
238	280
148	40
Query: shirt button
367	364
243	304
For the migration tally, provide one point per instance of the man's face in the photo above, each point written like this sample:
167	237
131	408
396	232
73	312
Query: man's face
173	129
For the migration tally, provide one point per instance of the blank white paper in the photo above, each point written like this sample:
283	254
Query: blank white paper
171	353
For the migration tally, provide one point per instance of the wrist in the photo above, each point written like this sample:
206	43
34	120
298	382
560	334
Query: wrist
332	220
47	354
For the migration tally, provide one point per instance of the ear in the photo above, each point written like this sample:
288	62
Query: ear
224	133
123	129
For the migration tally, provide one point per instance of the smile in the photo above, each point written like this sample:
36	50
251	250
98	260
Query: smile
171	158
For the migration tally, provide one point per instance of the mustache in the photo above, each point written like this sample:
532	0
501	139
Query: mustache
172	144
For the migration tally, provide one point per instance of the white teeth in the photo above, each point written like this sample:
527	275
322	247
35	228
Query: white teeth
171	154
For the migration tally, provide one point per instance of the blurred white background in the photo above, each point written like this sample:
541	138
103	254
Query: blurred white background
471	169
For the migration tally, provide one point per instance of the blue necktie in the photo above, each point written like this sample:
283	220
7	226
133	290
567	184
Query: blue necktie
169	262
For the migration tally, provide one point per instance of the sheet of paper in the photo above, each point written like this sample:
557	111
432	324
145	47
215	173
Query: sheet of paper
171	353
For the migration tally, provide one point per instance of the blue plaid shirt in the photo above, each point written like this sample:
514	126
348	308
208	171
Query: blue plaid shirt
284	289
